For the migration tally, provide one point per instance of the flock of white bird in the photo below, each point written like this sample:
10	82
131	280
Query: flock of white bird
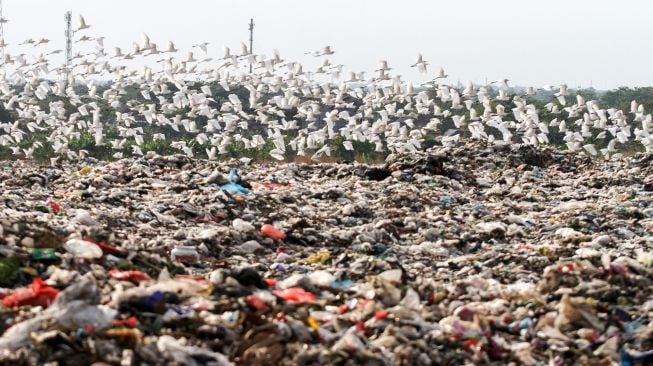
290	107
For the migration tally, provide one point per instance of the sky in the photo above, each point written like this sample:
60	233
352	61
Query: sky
599	43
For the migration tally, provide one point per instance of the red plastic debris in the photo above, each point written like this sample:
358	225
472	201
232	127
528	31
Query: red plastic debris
271	282
256	303
494	349
380	315
569	267
108	249
295	295
360	326
54	206
38	294
466	314
131	276
472	344
272	232
129	322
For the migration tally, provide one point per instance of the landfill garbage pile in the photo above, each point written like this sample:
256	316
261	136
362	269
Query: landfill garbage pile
475	254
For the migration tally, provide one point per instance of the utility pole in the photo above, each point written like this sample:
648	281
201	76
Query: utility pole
69	49
251	41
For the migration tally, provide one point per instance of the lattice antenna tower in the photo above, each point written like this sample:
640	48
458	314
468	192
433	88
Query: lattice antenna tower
69	48
251	41
2	35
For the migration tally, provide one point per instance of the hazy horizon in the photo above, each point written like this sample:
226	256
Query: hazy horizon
582	43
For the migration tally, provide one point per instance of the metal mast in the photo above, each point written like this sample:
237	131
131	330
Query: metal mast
251	41
69	48
2	35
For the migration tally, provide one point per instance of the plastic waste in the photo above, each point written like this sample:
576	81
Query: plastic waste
84	217
319	257
38	294
242	225
131	276
44	254
188	355
464	254
233	176
80	314
272	232
392	275
236	188
185	254
83	249
86	170
628	359
295	295
54	206
322	278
